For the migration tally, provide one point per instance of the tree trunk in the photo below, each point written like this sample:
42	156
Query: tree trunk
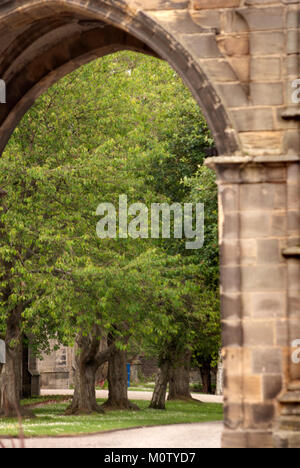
26	376
84	399
160	391
12	378
205	371
91	356
118	383
179	378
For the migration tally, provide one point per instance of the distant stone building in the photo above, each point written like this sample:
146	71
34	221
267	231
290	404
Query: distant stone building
57	369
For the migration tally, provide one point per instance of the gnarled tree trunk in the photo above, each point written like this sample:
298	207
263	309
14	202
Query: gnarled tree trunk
118	383
91	355
12	378
179	378
160	390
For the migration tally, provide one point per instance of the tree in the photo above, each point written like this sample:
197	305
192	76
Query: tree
206	352
90	357
185	176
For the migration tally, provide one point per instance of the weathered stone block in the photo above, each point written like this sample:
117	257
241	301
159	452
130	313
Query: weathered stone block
234	439
260	440
262	143
278	225
177	21
269	94
265	69
277	174
234	45
263	278
294	303
270	305
254	224
230	226
248	252
252	388
267	43
207	18
282	338
233	415
256	18
293	173
219	70
267	361
262	196
241	66
258	334
268	251
233	363
263	415
230	252
272	386
232	333
233	94
247	120
293	39
206	4
294	197
293	221
293	274
291	142
229	198
231	306
202	45
160	4
233	22
231	279
293	16
234	387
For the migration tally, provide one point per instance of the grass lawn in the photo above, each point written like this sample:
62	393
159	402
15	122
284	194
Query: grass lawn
50	419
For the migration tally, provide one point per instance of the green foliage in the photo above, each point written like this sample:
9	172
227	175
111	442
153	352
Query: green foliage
124	124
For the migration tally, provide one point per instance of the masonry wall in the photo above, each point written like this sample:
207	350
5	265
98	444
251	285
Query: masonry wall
57	369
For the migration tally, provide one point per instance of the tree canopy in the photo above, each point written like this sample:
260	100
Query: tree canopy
124	124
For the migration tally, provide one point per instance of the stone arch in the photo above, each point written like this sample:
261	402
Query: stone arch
240	59
54	38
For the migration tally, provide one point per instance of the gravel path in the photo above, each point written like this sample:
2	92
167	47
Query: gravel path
203	435
137	395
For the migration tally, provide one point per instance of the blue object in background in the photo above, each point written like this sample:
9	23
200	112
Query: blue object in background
128	374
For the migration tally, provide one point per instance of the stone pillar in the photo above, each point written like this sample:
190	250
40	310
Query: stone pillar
287	431
258	220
